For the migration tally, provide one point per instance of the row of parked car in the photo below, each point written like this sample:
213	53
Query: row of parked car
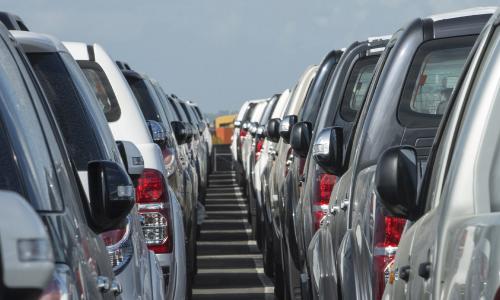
103	173
375	176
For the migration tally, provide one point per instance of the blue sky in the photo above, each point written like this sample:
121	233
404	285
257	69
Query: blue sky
222	52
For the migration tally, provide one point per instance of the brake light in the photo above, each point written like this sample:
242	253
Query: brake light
243	133
154	207
119	246
387	233
258	147
321	198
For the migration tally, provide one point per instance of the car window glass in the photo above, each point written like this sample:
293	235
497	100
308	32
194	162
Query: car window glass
357	87
186	112
67	107
20	97
146	103
431	79
102	88
269	110
10	178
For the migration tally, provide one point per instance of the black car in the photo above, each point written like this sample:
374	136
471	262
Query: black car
307	195
35	164
410	91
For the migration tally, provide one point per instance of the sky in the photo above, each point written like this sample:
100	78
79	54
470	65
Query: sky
220	53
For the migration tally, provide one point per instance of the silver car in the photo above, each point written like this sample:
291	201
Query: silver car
450	247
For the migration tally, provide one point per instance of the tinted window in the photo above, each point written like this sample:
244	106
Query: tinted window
67	107
187	112
179	111
145	100
10	178
357	87
269	110
431	79
102	88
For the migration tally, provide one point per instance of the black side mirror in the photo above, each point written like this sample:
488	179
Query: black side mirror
158	132
180	131
237	124
286	127
112	195
396	181
273	130
300	138
328	150
190	132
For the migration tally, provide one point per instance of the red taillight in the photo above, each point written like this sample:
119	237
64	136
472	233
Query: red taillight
321	198
258	147
154	207
151	187
387	233
243	133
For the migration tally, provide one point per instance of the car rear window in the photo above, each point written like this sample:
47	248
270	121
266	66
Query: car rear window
357	86
102	88
146	102
432	76
68	108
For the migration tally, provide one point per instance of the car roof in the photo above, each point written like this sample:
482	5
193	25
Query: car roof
38	42
12	21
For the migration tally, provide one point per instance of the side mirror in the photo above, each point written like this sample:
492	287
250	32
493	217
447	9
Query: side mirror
396	181
261	131
273	130
132	158
190	132
180	132
300	138
26	254
286	127
158	132
328	150
253	128
112	195
237	124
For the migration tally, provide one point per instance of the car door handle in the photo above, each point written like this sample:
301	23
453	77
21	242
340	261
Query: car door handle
404	273
103	284
334	210
424	270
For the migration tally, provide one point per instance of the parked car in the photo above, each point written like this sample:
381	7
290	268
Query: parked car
257	140
88	138
25	273
447	248
238	121
307	186
418	70
242	128
199	146
266	162
277	178
206	134
162	215
36	166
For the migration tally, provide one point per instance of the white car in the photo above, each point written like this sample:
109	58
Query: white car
162	223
